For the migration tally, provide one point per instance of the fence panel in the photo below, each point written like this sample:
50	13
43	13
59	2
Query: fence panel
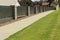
22	11
32	10
5	14
38	8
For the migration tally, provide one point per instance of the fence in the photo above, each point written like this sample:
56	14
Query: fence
7	12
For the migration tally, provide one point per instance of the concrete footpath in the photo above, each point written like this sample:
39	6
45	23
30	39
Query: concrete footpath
7	30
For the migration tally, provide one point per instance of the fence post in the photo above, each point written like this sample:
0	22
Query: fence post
57	7
15	10
28	10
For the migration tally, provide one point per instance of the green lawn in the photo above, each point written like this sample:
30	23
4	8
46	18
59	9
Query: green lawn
47	28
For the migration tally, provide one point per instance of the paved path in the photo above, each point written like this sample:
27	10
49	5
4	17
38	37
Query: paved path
7	30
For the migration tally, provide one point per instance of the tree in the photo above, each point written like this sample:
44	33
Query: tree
25	2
